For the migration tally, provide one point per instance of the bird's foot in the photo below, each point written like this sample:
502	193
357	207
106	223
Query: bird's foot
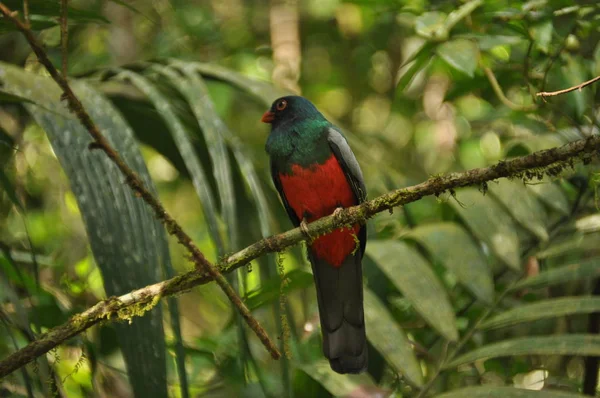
336	213
304	229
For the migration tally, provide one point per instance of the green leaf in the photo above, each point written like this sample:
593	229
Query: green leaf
36	23
461	54
487	42
545	309
571	344
566	243
452	246
522	205
490	223
389	339
269	290
9	188
128	243
551	194
419	61
431	26
263	91
542	35
196	93
13	99
411	274
337	384
506	392
186	149
587	269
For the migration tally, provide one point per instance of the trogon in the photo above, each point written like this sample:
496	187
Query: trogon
316	173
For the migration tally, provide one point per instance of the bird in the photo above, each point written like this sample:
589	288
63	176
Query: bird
316	174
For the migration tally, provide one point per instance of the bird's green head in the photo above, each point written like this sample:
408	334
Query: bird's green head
297	127
286	111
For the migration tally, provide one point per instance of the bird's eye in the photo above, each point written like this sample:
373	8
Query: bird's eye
281	105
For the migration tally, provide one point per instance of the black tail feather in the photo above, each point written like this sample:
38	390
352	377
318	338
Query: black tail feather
340	298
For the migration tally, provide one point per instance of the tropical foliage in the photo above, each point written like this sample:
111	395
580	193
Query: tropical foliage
487	291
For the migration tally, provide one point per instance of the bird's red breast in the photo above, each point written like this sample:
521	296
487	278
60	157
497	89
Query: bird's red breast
315	192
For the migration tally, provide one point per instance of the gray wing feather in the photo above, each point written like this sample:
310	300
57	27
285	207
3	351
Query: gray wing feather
342	151
346	157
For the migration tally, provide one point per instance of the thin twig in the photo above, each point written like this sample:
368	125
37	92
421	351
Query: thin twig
109	310
568	90
500	94
138	187
26	13
64	35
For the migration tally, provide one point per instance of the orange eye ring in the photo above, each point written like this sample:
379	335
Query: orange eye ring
281	105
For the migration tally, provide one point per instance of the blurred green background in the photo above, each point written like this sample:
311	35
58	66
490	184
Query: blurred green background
419	87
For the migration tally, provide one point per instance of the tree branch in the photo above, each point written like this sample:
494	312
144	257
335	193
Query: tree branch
544	94
136	184
549	161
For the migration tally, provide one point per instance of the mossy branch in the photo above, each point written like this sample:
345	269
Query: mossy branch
133	180
535	165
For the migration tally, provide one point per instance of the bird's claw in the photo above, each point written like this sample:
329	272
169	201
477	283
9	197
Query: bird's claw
304	229
336	213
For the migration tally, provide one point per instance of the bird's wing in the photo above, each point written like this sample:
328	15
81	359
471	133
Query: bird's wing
344	155
291	213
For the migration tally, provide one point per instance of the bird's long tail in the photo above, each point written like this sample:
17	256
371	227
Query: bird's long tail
340	298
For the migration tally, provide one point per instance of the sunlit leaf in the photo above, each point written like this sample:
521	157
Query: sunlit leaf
412	275
490	223
431	25
461	54
449	244
570	344
389	339
545	309
421	59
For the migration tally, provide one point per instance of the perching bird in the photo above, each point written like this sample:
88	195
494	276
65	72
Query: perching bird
315	173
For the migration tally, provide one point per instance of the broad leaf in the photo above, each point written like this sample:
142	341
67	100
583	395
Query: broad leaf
570	344
551	194
449	244
128	243
412	275
389	339
490	223
545	309
522	205
461	54
186	149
